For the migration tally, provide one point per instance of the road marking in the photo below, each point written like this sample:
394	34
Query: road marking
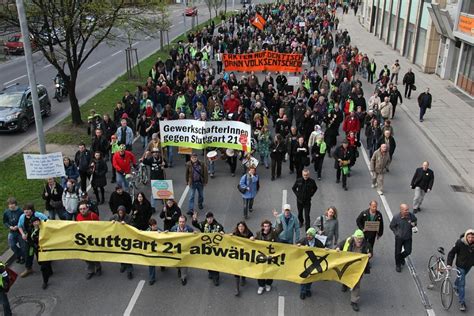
134	298
424	298
183	196
116	53
13	80
281	305
47	66
136	43
148	37
91	66
284	198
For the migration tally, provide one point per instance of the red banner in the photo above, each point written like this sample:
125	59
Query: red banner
263	61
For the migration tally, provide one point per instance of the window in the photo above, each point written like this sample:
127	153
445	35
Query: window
467	6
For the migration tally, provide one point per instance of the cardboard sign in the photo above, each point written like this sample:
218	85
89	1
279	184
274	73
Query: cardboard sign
371	226
162	189
44	166
185	150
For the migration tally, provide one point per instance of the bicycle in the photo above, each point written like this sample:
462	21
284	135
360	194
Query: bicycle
437	271
132	178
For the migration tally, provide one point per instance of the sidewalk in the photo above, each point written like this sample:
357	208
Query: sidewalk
449	125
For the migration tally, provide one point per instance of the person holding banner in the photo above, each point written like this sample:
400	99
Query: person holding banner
241	230
249	185
209	225
355	243
196	178
370	221
93	267
170	214
182	227
123	218
308	241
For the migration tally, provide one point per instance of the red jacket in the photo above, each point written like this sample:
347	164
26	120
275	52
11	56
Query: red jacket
123	164
351	124
90	217
231	105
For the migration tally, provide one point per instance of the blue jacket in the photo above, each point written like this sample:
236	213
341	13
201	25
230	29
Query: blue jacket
71	173
187	229
129	132
249	182
21	221
291	231
11	218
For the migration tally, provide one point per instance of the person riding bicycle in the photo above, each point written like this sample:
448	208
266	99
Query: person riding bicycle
464	250
122	161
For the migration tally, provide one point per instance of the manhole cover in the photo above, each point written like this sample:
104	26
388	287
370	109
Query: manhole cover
38	305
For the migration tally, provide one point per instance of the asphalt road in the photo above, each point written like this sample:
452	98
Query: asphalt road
445	215
100	70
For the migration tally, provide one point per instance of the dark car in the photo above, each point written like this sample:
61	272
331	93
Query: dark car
16	107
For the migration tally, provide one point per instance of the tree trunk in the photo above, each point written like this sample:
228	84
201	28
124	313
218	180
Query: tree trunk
75	109
161	39
210	14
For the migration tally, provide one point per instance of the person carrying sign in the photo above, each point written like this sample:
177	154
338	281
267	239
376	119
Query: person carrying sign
370	221
355	243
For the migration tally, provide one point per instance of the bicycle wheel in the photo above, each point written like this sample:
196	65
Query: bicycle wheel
435	271
447	292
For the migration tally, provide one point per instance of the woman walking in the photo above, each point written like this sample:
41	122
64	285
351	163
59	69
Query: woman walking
98	170
249	186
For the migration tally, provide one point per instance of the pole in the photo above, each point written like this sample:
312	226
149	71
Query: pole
31	75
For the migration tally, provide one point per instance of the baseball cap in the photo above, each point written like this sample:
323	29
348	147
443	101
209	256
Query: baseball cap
287	207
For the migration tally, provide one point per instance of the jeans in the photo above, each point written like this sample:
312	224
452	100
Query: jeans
16	244
304	208
170	153
211	167
6	304
399	255
248	205
419	196
122	181
344	177
318	165
68	216
200	188
54	212
152	273
305	288
460	283
144	140
264	282
422	112
127	266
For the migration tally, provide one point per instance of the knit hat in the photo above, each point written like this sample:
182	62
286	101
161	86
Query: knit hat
121	208
358	234
311	231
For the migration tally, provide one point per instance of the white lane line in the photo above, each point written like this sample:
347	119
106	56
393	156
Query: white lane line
47	66
430	312
281	305
116	53
134	298
148	37
136	43
92	66
13	80
183	196
283	198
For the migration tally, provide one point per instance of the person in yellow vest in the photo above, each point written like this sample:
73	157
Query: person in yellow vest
4	279
356	243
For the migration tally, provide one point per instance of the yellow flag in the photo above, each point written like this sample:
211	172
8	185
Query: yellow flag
115	242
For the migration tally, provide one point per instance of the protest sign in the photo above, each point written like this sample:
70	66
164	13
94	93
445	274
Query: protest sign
203	134
263	61
44	166
162	189
185	150
371	226
115	242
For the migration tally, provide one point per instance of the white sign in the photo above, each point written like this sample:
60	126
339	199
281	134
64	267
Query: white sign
203	134
44	166
294	81
162	189
302	24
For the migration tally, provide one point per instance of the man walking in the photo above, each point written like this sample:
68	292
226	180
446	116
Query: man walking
378	165
83	159
395	69
182	227
403	224
464	250
408	81
196	178
370	215
424	102
290	224
422	182
304	189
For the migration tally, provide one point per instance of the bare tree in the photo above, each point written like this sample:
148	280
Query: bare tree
216	4
68	31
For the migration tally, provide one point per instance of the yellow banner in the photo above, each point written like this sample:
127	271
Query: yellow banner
115	242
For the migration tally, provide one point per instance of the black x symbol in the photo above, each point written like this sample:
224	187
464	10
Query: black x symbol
315	264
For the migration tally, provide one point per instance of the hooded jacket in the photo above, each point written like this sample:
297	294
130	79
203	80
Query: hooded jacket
463	251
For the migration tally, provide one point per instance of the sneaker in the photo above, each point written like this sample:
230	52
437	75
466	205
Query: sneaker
260	290
268	288
250	210
344	288
345	189
233	175
302	296
462	307
355	307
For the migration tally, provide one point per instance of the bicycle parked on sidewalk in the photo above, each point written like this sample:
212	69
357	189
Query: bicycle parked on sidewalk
439	271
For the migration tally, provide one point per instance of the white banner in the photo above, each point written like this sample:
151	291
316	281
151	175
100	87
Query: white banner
200	135
44	166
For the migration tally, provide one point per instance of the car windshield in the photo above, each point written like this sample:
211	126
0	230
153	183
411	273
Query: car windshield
14	39
10	100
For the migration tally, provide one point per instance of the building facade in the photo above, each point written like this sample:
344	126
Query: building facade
464	32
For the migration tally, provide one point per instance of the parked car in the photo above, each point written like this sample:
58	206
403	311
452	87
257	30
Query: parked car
16	107
15	45
191	11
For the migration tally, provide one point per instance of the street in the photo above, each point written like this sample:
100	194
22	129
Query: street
445	215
